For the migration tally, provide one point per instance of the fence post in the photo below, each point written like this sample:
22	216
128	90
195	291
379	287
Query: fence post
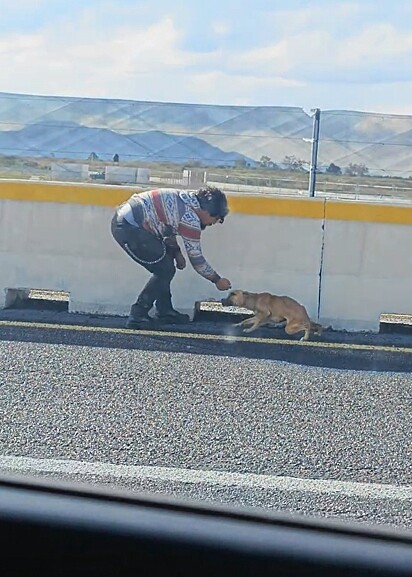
314	154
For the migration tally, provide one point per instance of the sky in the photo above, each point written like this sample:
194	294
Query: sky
332	55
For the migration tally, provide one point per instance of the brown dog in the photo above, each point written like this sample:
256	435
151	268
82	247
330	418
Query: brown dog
272	309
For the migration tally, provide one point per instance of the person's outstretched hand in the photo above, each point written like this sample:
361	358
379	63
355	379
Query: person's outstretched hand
223	284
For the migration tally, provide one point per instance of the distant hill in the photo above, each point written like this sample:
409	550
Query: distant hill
70	140
214	134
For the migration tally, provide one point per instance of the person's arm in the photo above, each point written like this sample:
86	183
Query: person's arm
175	252
190	233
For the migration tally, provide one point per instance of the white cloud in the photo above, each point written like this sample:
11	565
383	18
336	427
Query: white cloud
21	6
79	60
376	51
317	58
297	52
133	51
372	44
19	46
336	16
240	89
221	28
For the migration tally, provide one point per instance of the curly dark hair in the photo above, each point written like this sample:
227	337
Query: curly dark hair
214	201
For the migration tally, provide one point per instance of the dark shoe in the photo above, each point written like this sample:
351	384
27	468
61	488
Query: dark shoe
138	318
173	317
138	322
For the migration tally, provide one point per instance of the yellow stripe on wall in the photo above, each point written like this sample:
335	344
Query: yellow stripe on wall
66	193
368	212
111	196
277	206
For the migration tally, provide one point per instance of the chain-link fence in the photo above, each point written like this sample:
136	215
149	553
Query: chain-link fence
246	149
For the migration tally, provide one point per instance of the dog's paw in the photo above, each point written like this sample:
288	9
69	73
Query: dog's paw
249	330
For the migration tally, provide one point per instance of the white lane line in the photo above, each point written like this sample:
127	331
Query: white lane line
219	478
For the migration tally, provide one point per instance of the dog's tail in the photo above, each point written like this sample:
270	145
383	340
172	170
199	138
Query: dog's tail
316	328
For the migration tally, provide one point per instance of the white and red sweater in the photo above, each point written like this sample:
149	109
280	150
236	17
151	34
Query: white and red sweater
171	212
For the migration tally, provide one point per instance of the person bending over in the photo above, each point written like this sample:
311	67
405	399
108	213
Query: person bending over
146	227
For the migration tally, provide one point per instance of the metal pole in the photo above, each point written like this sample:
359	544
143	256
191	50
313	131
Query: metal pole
314	156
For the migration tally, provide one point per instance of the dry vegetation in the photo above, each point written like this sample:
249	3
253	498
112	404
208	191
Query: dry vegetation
40	168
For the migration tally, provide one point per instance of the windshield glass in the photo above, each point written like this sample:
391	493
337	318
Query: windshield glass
205	270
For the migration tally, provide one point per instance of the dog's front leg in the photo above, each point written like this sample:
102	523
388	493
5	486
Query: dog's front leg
256	321
245	322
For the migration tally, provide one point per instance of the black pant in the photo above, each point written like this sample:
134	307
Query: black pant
150	252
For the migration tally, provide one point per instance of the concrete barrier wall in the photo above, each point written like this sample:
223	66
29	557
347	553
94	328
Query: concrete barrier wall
347	262
367	264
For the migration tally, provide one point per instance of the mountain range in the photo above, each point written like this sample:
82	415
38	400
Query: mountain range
71	140
213	134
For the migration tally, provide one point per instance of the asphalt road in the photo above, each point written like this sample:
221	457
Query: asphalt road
209	419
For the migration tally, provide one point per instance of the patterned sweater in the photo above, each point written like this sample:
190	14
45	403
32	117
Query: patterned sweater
170	212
